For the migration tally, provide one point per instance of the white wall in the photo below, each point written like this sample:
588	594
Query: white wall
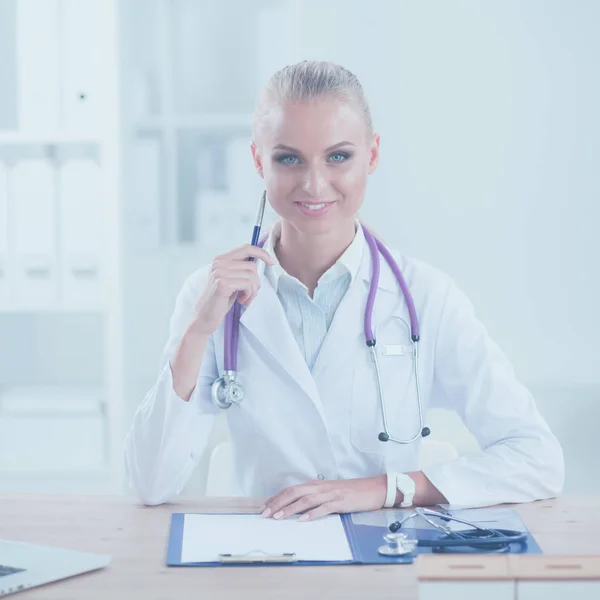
489	170
488	114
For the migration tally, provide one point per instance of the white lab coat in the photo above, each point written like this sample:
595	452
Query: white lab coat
294	426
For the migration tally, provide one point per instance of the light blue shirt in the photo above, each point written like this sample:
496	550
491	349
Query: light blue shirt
310	318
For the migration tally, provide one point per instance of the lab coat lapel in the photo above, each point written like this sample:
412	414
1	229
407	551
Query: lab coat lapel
265	319
347	325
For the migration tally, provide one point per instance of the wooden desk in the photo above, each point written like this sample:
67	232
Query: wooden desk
136	538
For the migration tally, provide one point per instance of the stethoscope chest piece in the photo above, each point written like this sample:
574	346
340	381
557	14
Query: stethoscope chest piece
227	391
397	544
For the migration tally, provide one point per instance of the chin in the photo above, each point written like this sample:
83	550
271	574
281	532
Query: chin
317	226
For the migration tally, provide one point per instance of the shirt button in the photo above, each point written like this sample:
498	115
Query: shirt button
320	476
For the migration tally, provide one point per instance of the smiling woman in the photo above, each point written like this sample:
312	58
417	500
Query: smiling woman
314	147
334	404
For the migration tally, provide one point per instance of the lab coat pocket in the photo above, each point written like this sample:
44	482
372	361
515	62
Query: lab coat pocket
396	369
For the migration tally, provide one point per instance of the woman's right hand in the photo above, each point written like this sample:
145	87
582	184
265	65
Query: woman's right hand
230	273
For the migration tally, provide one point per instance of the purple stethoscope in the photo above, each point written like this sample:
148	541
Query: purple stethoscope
226	390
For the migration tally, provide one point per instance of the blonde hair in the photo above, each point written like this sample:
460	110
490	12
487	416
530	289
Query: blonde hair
307	81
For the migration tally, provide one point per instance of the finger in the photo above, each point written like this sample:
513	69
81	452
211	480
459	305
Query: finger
226	286
248	295
234	266
247	301
304	504
327	508
225	275
248	250
287	496
252	282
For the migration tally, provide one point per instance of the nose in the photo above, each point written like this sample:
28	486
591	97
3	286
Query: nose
315	181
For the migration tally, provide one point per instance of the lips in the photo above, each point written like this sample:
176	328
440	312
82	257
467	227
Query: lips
314	209
314	206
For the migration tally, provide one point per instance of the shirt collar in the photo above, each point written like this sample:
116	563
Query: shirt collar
349	262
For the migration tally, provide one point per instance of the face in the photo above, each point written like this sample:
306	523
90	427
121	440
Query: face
315	158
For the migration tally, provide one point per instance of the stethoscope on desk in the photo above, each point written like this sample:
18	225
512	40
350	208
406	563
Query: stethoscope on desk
226	390
479	538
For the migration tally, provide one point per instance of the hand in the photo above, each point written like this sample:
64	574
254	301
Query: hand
230	273
319	498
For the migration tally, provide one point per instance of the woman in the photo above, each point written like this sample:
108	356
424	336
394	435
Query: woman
305	435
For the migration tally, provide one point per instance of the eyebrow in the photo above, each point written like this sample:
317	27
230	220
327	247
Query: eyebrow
290	149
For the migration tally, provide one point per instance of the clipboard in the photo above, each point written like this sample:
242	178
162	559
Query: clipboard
364	534
363	542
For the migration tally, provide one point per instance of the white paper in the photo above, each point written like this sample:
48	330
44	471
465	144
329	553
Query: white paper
207	536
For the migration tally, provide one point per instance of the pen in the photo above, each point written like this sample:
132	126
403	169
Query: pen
258	222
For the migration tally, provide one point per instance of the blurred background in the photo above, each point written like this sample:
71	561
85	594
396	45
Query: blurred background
125	165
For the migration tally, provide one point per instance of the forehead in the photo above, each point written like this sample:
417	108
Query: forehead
317	124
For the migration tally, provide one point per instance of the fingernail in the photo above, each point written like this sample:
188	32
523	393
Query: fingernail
266	512
278	515
303	518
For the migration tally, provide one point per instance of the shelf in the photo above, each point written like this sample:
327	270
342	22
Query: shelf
50	310
20	472
207	121
51	401
16	138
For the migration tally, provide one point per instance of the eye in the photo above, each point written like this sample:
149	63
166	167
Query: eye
339	157
287	159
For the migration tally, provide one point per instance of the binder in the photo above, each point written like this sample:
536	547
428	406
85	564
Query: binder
363	542
83	39
82	233
4	248
38	67
213	216
33	224
145	200
365	535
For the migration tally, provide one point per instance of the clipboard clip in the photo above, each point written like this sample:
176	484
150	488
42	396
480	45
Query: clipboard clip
257	556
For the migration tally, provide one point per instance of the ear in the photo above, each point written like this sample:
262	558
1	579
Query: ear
374	153
257	159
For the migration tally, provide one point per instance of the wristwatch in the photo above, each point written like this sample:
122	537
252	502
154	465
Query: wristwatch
402	482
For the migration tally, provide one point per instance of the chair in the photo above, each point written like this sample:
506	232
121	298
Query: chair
432	452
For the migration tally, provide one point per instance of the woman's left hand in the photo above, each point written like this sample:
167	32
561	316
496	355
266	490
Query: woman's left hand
319	498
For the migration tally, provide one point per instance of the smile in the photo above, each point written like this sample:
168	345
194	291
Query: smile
312	209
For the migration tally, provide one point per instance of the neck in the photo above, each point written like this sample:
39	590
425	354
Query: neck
307	256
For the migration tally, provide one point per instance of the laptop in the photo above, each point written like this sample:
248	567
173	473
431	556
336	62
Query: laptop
24	565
